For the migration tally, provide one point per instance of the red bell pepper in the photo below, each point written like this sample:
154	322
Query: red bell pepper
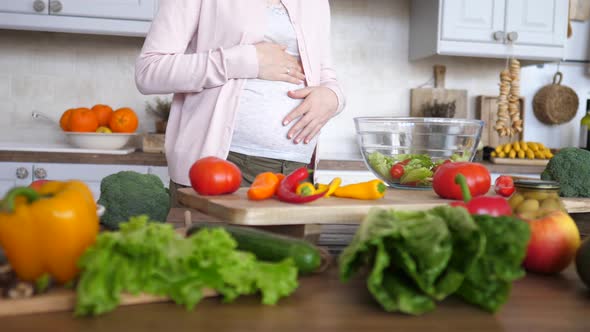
494	206
504	186
288	186
477	176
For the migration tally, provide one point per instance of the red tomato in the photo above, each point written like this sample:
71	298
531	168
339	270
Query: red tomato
397	171
215	176
504	186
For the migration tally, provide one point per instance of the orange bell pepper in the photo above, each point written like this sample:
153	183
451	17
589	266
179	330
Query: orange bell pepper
264	186
45	231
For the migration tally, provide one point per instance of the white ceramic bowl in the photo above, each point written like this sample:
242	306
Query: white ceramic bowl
99	141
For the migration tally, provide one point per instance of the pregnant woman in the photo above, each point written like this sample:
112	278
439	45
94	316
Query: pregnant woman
253	82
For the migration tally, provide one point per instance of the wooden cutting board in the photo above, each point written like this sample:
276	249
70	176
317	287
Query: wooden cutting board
426	96
237	209
518	161
487	110
65	300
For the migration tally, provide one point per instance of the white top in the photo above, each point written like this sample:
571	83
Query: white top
263	104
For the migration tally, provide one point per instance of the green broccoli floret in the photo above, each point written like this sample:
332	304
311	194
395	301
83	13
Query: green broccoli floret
127	194
571	168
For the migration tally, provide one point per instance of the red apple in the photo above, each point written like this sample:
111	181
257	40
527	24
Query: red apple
554	241
37	184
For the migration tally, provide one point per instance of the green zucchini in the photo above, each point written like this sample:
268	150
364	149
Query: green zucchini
268	246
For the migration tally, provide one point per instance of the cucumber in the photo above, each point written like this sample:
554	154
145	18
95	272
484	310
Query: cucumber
268	246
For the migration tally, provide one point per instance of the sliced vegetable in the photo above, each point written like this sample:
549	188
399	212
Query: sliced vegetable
264	186
397	171
269	246
374	189
482	205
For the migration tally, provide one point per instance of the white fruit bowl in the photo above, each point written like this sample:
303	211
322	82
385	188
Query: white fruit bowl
99	141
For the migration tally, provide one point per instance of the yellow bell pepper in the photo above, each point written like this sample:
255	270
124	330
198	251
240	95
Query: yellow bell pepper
373	189
45	231
328	189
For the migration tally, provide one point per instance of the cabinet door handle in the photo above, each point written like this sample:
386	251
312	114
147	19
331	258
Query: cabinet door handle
512	36
499	35
39	6
22	173
40	173
55	6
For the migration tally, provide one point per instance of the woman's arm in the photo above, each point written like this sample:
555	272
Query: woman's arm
328	74
320	103
163	66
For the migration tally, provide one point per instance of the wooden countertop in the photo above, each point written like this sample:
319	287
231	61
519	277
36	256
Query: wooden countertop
159	159
323	303
134	158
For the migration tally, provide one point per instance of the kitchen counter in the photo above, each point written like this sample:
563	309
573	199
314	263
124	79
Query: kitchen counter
323	303
158	159
134	158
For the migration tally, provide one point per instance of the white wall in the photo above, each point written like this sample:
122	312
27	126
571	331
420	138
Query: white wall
51	72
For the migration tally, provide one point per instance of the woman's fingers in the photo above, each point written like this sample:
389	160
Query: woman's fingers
308	128
298	111
289	78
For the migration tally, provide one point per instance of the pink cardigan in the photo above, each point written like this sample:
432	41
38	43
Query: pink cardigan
202	50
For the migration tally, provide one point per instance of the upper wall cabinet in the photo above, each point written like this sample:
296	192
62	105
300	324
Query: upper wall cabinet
527	29
111	17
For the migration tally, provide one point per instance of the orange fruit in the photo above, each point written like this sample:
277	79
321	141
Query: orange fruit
104	114
83	120
124	120
64	121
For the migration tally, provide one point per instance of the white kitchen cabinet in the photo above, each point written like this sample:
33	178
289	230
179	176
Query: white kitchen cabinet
90	174
109	17
14	174
537	22
526	29
22	174
38	7
120	9
470	20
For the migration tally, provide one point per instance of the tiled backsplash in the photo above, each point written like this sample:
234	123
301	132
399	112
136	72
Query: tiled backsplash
51	72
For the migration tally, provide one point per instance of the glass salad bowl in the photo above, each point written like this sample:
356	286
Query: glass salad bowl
404	152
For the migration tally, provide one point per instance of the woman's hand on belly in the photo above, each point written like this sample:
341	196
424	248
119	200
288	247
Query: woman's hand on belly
274	64
319	105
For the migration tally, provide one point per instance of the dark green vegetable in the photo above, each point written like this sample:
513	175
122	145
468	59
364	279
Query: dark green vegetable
270	247
419	257
571	168
127	194
489	280
147	257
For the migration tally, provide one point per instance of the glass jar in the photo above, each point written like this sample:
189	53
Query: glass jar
533	199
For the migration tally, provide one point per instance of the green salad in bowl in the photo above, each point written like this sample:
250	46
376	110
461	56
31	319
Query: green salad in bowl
408	170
